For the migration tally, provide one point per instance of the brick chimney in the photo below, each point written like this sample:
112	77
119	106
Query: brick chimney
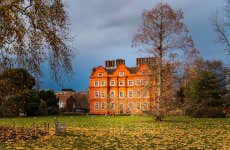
146	60
120	61
109	64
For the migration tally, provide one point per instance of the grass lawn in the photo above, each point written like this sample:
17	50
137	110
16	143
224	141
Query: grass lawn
128	132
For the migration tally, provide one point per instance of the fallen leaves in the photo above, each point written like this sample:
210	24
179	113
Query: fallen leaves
136	132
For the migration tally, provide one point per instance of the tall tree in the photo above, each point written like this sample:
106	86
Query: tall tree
33	32
163	34
222	27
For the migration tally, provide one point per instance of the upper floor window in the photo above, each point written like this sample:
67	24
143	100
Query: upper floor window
96	83
102	94
121	74
100	74
96	106
121	94
121	83
112	94
103	83
96	94
130	82
138	82
130	94
112	83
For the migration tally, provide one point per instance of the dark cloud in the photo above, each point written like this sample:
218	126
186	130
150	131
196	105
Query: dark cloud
103	29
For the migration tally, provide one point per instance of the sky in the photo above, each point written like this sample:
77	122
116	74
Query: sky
103	30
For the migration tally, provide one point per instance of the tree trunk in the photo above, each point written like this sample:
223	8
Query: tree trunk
159	75
159	97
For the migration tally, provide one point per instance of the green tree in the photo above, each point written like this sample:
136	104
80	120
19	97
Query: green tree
13	84
51	101
206	93
33	103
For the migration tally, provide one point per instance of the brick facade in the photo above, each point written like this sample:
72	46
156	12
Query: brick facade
120	89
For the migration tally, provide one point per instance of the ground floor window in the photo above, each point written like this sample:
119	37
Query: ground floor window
96	106
112	106
121	108
145	106
102	105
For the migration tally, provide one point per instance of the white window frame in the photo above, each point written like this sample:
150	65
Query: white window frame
130	81
121	74
100	74
121	81
122	94
96	106
96	94
112	81
130	96
102	106
103	94
110	95
138	82
103	83
96	83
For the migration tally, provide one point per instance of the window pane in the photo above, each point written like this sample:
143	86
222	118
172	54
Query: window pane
96	106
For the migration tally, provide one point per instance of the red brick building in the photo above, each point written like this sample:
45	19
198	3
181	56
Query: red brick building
118	89
63	96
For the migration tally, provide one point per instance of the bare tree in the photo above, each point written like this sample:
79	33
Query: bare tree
222	27
33	32
163	35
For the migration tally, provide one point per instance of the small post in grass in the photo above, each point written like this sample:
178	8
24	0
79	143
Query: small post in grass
60	127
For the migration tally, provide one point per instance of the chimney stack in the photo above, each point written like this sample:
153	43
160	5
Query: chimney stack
119	62
146	60
109	64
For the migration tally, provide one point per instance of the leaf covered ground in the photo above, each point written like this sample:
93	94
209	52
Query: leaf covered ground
127	132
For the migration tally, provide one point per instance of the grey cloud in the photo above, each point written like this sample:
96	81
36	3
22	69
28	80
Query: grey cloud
104	30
